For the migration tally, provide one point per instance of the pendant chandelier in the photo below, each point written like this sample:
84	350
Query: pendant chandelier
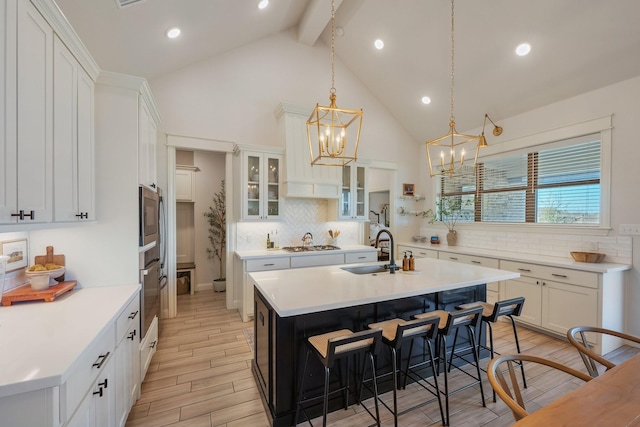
333	133
456	153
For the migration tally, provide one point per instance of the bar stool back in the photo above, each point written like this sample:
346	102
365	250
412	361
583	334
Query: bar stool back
450	323
338	345
395	333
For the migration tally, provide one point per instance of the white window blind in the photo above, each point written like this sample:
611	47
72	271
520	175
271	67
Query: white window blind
558	183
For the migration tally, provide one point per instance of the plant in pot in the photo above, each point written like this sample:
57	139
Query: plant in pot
449	211
217	220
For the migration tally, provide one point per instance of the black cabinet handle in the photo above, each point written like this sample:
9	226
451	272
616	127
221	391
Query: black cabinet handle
133	314
453	258
21	215
104	384
153	344
362	257
559	275
98	392
476	262
132	335
83	215
268	265
525	270
101	359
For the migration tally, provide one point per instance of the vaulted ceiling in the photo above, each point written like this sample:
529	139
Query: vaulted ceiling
577	46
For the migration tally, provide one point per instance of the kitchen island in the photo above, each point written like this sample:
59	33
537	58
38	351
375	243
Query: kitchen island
291	305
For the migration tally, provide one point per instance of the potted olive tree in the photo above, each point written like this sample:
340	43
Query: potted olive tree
217	219
450	210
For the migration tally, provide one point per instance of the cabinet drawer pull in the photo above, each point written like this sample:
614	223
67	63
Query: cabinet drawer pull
132	335
559	275
525	270
268	265
422	253
98	363
104	384
133	314
453	258
153	344
98	392
83	215
476	262
21	215
362	257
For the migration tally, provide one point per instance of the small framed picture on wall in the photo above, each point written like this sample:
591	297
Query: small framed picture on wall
16	250
408	189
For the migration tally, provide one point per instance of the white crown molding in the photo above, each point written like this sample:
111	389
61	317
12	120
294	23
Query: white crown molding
138	84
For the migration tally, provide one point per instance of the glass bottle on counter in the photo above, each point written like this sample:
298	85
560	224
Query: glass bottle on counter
412	261
405	262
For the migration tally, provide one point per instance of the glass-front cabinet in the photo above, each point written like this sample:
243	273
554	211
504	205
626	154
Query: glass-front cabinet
353	202
261	198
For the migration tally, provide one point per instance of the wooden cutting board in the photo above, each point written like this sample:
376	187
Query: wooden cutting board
51	258
25	293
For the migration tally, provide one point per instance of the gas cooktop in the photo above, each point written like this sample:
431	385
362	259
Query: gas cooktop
310	248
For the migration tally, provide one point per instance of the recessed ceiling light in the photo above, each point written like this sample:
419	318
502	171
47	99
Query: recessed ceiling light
426	100
173	32
379	44
523	49
263	4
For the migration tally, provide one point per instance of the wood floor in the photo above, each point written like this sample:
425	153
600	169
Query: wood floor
201	376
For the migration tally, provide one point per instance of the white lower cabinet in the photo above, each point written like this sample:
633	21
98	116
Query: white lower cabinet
97	409
148	347
100	387
557	299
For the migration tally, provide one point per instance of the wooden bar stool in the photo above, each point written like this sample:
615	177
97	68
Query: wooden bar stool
395	333
339	345
490	314
450	323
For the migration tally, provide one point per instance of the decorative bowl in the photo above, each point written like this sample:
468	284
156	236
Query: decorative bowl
592	257
41	280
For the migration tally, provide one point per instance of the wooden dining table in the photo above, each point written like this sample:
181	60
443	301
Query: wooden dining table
611	399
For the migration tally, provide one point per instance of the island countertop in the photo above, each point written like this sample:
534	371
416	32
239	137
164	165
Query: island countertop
310	290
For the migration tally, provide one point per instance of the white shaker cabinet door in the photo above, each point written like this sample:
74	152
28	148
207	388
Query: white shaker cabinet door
34	114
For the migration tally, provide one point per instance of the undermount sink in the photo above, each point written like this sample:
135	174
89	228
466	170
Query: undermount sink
310	248
366	269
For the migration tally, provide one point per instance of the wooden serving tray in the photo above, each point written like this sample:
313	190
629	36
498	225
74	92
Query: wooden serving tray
25	293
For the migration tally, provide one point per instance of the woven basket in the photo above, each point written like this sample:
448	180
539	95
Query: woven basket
593	257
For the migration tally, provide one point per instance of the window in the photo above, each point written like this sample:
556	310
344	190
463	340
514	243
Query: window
554	183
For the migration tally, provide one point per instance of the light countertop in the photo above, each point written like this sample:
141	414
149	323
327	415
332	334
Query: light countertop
262	253
40	341
602	267
309	290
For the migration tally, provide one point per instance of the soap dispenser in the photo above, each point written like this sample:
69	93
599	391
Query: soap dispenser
412	261
405	262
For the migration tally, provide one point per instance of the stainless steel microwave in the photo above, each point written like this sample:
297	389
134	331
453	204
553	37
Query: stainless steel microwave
149	216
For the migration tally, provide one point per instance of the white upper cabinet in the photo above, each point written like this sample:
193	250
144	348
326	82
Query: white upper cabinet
259	196
147	141
354	201
300	178
73	138
27	142
46	118
185	184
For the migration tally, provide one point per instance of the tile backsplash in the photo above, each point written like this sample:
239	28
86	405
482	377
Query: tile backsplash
299	217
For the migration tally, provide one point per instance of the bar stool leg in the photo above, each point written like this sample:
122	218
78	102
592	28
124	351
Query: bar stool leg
476	358
442	342
375	387
515	334
325	403
394	362
304	373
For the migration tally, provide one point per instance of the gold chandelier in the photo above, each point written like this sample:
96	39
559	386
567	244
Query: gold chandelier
333	133
446	154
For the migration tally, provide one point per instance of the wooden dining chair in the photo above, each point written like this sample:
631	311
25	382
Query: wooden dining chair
508	388
577	337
